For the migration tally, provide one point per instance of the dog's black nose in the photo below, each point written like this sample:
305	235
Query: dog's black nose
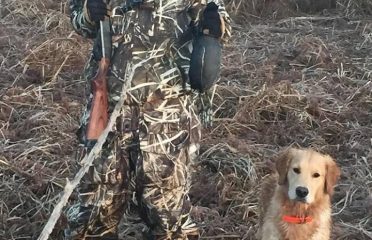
302	192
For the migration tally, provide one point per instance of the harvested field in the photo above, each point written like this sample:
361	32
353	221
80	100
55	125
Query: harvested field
288	78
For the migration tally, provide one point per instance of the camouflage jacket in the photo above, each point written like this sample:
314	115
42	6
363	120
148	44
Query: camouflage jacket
169	19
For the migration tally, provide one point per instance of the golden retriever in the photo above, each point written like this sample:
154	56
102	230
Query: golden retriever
296	201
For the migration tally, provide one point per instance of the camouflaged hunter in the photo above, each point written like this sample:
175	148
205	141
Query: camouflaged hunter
138	187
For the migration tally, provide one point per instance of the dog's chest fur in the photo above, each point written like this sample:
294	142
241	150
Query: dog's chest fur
290	231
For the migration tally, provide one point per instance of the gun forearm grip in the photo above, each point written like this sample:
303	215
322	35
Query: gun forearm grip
99	111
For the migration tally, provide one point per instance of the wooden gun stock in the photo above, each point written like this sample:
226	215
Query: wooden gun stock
99	109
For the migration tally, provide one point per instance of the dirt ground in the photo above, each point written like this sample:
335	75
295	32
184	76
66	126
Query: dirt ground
288	78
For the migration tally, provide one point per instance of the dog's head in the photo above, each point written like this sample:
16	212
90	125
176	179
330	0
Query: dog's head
307	174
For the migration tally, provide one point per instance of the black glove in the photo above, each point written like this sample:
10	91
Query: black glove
96	10
211	21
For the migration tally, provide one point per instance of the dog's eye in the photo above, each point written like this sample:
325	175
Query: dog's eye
296	170
316	175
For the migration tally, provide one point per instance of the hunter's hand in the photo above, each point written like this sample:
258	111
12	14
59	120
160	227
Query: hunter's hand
212	24
95	10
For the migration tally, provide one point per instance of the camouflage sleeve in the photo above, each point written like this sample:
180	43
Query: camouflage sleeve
78	20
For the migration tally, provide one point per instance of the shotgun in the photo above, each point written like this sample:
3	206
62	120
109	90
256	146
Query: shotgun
99	108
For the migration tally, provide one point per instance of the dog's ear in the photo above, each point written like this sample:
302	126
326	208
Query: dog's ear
332	175
282	164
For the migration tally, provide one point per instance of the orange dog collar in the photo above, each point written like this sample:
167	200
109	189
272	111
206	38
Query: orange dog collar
297	220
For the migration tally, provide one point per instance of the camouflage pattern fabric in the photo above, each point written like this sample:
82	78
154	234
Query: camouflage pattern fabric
140	183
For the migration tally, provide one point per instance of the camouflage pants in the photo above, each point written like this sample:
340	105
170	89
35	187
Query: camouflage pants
140	182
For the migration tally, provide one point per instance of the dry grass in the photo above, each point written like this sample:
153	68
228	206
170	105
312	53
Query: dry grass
39	108
355	7
244	10
304	80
